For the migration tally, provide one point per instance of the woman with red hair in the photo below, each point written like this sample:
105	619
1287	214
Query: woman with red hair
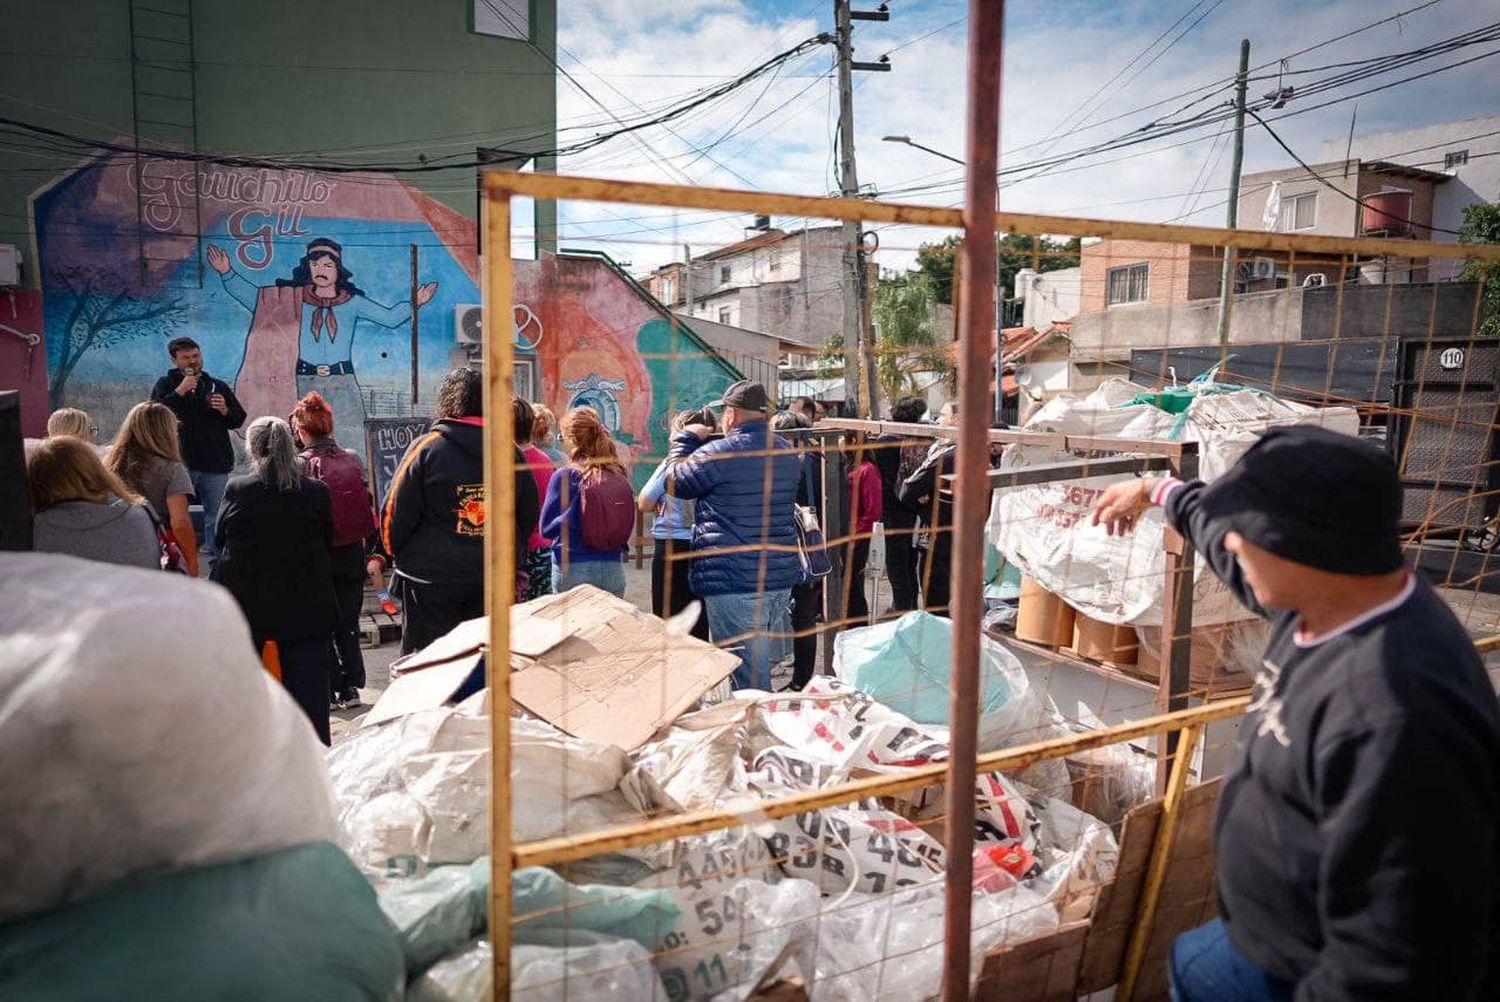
582	516
354	536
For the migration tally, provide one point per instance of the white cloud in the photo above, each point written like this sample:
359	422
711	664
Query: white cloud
1058	54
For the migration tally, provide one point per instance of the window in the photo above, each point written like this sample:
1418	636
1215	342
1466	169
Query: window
775	261
1301	212
1127	284
724	273
669	291
1457	158
503	18
726	315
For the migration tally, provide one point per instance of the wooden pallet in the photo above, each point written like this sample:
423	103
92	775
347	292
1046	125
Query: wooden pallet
377	628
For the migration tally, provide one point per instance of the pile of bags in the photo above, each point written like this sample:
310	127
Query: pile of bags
848	898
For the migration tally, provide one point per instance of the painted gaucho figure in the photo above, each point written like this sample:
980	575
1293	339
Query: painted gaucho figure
302	335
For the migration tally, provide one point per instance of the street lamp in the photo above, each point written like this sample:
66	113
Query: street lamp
999	288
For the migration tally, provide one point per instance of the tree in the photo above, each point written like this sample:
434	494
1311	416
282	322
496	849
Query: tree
908	342
100	312
1017	251
1481	225
935	261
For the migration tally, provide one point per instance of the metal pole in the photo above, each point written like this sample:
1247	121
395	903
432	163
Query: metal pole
977	313
1226	281
852	230
415	306
499	558
999	330
1176	624
1156	867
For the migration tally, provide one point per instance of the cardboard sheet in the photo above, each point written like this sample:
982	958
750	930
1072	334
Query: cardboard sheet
591	664
617	676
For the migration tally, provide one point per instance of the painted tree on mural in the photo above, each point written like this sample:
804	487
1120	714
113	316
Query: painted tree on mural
99	311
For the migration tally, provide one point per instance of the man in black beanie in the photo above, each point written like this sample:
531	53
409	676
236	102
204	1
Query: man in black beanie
1356	841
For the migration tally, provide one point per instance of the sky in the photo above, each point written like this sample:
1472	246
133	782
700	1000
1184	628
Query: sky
1076	72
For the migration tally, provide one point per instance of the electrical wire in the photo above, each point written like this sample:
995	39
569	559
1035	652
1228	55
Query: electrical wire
1329	184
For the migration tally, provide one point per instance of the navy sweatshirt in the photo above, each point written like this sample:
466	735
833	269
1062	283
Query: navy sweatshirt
1356	838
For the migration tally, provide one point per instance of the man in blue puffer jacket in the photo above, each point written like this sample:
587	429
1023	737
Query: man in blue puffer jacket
744	485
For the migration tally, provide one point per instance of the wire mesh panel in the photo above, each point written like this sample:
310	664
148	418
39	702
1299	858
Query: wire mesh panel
731	777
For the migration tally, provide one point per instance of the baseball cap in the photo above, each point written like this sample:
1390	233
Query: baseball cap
1316	497
747	395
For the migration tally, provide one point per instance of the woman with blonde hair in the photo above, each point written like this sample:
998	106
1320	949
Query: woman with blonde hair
544	433
589	512
74	422
146	458
82	508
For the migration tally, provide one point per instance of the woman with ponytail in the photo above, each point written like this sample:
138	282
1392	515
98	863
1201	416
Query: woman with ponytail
584	516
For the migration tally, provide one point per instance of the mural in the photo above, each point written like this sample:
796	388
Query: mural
293	281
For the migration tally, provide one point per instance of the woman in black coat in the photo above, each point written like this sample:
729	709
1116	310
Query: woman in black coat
274	532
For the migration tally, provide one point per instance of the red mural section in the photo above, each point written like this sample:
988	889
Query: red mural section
23	356
584	318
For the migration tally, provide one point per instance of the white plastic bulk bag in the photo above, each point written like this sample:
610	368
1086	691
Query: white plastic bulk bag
139	731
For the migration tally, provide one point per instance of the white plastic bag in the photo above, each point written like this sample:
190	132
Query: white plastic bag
891	947
1046	530
733	935
138	731
605	971
840	849
414	792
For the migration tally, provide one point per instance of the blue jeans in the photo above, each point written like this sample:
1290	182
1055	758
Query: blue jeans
606	574
743	625
1205	967
208	488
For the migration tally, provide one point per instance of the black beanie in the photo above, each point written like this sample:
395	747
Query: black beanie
1315	497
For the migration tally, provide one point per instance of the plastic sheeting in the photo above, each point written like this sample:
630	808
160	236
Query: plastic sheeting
139	732
604	970
413	793
891	947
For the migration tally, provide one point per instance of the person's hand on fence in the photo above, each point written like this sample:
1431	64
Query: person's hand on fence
700	431
1118	507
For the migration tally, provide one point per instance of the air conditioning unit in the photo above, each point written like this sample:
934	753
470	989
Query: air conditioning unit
1262	268
468	326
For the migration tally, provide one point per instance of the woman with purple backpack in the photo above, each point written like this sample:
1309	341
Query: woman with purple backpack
355	538
589	513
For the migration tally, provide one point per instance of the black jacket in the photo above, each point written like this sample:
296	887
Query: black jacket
885	451
922	492
273	557
1356	838
435	511
202	431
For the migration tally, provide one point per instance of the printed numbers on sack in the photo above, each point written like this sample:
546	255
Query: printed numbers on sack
712	919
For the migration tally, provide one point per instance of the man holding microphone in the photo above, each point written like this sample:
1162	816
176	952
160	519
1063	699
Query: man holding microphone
207	412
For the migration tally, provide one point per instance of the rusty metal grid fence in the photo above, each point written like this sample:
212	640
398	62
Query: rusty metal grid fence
779	885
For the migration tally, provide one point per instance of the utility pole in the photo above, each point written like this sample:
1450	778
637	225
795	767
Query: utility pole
1226	282
853	232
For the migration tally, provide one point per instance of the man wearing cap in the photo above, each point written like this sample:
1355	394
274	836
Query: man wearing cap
1356	841
744	560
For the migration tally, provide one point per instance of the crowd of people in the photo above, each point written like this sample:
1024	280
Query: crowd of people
1372	697
297	536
